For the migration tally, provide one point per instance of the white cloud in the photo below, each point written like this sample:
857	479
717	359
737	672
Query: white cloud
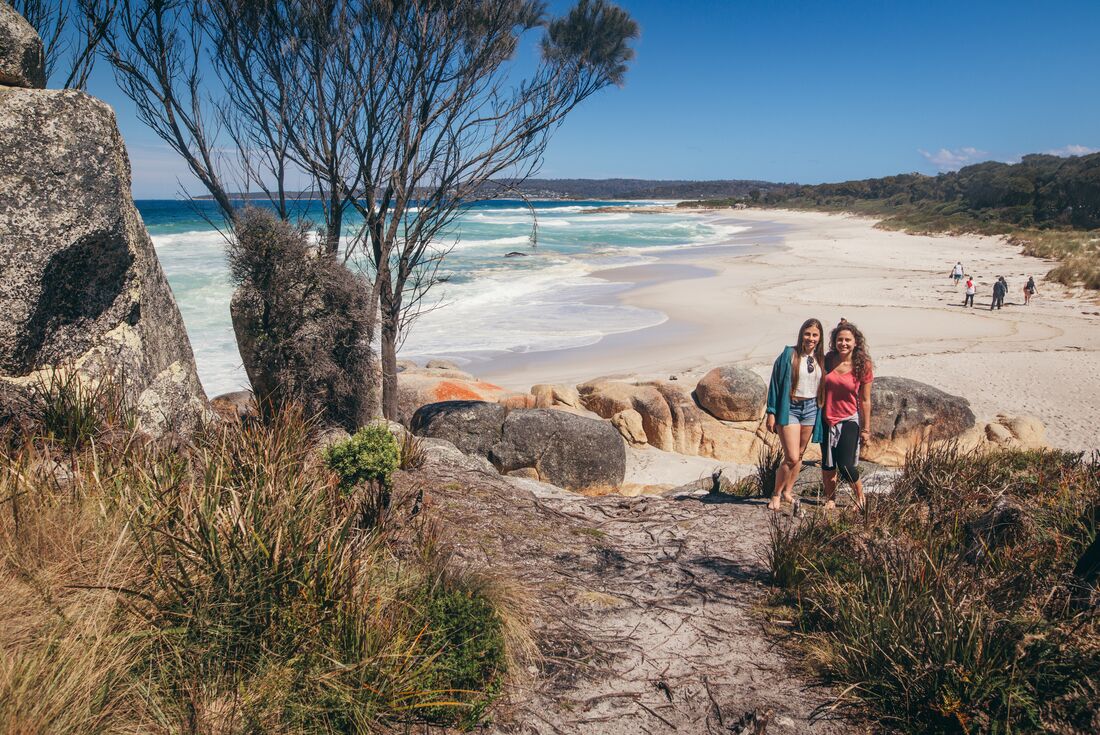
953	160
1072	150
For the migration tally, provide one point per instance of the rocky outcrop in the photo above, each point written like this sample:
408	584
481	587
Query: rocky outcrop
672	421
22	63
80	285
906	413
566	450
608	397
732	393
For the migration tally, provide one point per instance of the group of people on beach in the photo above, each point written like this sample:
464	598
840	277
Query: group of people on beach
1000	288
824	398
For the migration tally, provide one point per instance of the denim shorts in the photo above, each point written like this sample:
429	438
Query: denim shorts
803	412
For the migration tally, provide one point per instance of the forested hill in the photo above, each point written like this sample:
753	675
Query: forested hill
1040	191
598	189
640	188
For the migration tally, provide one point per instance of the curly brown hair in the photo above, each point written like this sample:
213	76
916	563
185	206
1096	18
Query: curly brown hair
861	358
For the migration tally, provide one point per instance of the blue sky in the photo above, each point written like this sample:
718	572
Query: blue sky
807	91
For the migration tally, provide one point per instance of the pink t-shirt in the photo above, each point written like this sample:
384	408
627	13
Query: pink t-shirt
842	394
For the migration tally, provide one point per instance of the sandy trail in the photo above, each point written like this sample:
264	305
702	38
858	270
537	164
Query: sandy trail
645	610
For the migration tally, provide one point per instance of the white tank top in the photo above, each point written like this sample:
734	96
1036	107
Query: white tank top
807	381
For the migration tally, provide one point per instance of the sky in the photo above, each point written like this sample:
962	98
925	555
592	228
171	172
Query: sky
803	91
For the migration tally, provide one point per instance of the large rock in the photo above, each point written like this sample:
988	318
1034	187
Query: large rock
22	63
569	451
608	397
421	387
673	422
472	426
732	393
548	395
573	452
906	413
80	284
629	425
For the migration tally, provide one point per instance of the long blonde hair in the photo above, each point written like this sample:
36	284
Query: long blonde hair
819	355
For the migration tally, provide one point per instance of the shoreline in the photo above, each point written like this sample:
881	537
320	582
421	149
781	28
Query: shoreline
727	306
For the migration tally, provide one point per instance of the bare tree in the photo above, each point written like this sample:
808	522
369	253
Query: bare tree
402	110
445	114
71	32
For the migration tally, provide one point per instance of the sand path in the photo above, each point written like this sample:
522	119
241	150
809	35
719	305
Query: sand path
646	611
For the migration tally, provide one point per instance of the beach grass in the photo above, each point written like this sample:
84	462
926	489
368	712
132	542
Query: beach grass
230	583
952	605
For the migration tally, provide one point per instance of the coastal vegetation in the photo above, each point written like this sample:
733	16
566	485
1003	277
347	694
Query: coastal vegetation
230	583
1048	205
960	602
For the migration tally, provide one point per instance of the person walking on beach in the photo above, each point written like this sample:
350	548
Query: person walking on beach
794	398
999	290
970	291
846	403
957	273
1029	290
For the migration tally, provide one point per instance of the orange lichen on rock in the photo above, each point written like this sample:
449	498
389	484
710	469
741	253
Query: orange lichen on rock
449	390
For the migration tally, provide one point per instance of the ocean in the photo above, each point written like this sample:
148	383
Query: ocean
547	299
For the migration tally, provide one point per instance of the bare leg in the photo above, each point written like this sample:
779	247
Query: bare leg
857	489
805	433
788	471
828	480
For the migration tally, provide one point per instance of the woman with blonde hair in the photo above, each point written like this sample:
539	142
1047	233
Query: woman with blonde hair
794	399
846	405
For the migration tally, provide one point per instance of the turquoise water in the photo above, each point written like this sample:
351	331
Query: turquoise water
546	300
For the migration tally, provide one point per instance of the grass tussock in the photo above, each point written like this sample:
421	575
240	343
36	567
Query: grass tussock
957	604
234	583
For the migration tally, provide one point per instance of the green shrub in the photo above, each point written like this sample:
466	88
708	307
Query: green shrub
371	455
467	632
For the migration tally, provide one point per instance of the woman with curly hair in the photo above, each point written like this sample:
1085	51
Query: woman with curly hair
794	398
849	373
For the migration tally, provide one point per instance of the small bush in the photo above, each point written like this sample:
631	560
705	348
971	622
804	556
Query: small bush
371	455
465	627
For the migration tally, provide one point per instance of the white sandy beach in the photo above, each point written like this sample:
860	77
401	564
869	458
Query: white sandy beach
1041	360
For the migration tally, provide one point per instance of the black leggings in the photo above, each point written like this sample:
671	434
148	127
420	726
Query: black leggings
844	454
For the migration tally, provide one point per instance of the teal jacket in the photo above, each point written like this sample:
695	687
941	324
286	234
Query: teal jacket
779	394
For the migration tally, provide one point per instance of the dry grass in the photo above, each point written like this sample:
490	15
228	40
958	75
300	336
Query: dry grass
228	586
952	605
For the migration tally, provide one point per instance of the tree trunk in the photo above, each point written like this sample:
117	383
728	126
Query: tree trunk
389	370
391	317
